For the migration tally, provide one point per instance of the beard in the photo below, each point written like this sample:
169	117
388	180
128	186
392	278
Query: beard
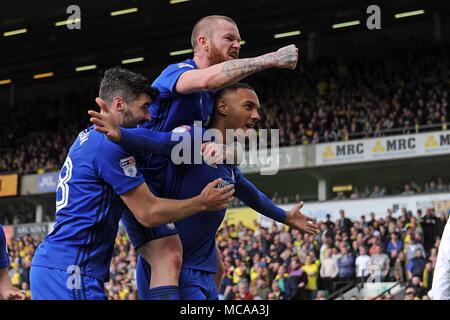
130	120
215	56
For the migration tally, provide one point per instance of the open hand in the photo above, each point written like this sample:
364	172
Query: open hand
297	220
106	122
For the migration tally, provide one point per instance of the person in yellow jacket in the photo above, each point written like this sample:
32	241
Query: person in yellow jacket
312	270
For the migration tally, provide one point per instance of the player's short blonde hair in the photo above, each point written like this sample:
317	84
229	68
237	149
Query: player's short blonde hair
206	26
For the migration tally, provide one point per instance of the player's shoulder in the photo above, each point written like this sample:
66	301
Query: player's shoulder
188	63
185	65
91	143
87	139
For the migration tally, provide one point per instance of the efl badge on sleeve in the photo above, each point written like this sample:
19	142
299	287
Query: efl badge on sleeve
128	166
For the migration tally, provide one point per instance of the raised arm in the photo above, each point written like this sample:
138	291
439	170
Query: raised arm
228	72
153	211
135	140
259	202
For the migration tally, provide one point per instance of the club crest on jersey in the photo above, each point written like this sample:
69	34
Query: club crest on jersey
223	184
128	166
171	226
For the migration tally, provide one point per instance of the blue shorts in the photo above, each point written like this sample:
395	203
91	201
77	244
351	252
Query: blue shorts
197	285
140	235
194	284
54	284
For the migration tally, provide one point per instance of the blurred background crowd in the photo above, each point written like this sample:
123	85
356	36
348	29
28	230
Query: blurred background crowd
277	263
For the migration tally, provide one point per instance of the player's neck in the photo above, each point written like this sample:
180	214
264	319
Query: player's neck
201	61
220	125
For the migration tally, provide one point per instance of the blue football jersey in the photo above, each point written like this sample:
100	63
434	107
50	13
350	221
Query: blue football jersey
4	260
88	206
171	109
198	232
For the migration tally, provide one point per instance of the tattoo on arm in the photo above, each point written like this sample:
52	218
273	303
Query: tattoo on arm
245	67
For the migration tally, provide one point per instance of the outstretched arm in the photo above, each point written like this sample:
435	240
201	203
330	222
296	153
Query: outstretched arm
228	72
152	211
259	202
135	140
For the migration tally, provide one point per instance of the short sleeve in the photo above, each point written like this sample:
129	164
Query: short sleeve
117	167
167	80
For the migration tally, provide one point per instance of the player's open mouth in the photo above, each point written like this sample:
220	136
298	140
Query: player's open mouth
250	125
233	55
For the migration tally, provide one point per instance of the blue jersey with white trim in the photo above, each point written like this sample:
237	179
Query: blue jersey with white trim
88	206
171	109
198	232
4	260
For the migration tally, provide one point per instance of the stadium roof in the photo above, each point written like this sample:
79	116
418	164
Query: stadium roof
158	27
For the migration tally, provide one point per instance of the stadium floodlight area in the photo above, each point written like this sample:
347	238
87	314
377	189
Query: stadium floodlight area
178	1
5	81
346	24
133	60
85	68
14	32
409	14
43	75
287	34
67	22
180	52
124	11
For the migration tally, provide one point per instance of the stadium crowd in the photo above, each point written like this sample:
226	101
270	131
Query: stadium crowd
327	100
277	263
350	97
408	189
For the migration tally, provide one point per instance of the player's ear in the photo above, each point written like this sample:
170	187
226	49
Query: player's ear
117	104
203	43
222	107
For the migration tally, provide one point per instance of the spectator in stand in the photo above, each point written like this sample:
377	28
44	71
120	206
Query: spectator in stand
330	224
416	265
441	187
276	291
243	291
377	192
297	281
394	244
419	290
321	295
440	223
379	264
346	264
345	224
407	191
427	276
362	264
428	224
312	271
355	194
262	288
412	247
433	257
410	293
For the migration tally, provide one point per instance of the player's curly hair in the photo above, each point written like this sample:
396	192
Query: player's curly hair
125	83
